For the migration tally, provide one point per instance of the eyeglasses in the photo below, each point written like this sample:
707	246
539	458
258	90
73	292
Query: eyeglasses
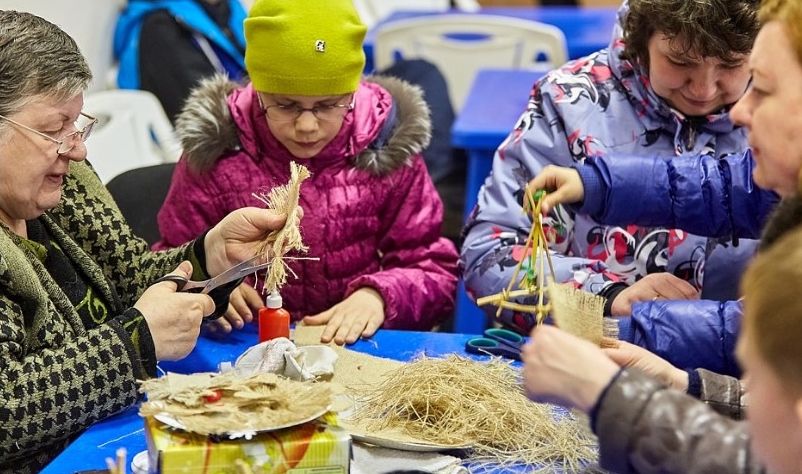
68	141
288	113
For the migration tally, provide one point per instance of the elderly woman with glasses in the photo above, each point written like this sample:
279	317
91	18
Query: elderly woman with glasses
372	217
80	317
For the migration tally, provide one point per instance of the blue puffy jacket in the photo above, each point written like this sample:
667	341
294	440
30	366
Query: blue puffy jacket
192	16
701	195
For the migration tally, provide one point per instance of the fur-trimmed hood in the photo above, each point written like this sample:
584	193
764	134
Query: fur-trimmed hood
222	117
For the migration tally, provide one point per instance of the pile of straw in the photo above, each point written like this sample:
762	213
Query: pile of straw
455	401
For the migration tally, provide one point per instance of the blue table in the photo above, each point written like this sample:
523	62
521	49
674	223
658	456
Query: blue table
496	101
587	29
126	429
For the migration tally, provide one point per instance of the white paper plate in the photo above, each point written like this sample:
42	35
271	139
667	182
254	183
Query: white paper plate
344	406
170	420
384	442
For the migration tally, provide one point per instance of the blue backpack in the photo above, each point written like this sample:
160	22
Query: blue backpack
166	46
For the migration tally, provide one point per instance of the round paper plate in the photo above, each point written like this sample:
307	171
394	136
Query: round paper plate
386	442
344	405
170	420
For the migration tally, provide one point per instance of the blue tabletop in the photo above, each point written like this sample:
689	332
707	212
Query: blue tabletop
126	429
586	29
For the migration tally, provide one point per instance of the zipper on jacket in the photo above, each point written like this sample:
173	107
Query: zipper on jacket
690	136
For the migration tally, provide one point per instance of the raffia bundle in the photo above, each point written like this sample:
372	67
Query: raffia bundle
455	401
283	199
255	402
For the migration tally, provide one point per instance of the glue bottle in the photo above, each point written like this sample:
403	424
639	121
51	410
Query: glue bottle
274	321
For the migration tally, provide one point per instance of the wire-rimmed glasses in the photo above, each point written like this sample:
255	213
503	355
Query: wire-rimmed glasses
68	141
289	113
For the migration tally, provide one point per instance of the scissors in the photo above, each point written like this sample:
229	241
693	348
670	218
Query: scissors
237	272
497	341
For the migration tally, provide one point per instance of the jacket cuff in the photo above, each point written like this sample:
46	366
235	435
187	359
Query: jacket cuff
595	410
198	258
694	384
610	292
595	190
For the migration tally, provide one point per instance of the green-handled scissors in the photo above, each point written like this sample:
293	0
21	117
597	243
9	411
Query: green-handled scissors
497	341
237	272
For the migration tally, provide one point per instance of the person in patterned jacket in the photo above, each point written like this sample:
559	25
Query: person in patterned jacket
643	421
705	196
662	88
373	216
81	320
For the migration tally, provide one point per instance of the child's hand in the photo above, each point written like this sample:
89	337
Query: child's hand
359	315
563	185
244	303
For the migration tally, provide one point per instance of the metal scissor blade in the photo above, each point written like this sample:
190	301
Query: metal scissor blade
240	270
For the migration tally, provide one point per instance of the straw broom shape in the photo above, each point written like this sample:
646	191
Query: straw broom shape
283	199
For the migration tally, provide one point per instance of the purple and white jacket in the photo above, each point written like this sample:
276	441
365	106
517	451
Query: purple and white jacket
600	105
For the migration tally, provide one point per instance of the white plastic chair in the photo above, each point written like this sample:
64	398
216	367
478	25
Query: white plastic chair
373	11
132	131
461	44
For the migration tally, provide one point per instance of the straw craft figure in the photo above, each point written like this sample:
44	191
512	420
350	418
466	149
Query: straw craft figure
576	311
533	268
283	199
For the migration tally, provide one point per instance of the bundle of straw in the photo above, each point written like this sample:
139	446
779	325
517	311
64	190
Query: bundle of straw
455	401
283	199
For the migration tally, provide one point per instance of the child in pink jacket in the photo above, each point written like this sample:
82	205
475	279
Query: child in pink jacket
372	216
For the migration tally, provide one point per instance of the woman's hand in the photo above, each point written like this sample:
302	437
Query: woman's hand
652	287
237	236
244	303
630	355
564	186
174	318
563	369
359	315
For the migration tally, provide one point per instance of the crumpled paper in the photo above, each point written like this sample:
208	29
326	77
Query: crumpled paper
281	356
377	460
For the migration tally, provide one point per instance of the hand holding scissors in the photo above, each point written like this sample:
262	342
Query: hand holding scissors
237	272
498	342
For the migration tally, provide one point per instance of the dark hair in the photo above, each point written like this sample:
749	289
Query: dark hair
723	29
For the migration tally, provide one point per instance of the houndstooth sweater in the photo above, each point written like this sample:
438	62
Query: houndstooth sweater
58	377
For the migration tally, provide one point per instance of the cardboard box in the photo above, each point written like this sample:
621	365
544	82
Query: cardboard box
316	447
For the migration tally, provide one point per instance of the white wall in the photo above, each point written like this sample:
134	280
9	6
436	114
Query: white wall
90	22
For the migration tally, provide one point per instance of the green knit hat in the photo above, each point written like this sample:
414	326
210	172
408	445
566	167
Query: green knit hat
304	47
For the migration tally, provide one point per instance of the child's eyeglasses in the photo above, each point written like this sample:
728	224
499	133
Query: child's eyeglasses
289	113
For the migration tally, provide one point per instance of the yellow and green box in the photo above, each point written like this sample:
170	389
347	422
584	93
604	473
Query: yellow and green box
316	447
